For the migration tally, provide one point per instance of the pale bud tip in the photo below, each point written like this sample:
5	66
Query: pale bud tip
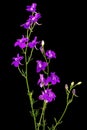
74	92
66	86
72	83
79	83
42	43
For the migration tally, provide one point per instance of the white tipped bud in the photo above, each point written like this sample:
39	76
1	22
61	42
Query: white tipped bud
72	83
42	43
79	83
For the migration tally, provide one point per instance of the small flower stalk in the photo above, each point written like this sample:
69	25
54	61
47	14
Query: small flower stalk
47	78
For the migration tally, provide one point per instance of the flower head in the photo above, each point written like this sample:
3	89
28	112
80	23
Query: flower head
34	18
41	65
53	78
31	20
31	8
41	81
21	42
33	43
16	60
47	95
27	24
50	54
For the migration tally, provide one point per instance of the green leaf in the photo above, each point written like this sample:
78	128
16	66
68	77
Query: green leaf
36	111
55	120
31	113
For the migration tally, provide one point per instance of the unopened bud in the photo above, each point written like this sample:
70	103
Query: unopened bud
72	83
66	86
79	83
42	43
74	92
42	46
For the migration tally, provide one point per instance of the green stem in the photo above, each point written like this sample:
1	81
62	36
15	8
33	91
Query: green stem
42	114
30	95
27	83
46	61
68	101
33	113
22	73
30	55
60	120
44	124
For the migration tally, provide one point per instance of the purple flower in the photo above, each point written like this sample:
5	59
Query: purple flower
50	54
54	78
47	80
47	95
31	8
41	65
41	81
16	60
35	18
21	42
33	43
31	20
27	24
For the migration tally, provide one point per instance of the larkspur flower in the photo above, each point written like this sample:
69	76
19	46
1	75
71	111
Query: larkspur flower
33	43
47	95
53	78
27	24
16	60
31	8
50	54
41	81
41	65
34	18
21	42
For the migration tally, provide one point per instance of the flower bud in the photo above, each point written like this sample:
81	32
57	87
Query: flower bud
79	83
74	92
42	43
66	86
72	83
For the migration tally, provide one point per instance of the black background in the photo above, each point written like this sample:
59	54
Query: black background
64	31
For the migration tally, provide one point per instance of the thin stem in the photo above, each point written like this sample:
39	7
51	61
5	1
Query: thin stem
27	83
33	113
30	95
44	124
29	58
68	101
46	61
60	120
42	114
22	73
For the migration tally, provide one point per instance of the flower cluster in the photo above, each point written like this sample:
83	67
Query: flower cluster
33	19
24	43
51	79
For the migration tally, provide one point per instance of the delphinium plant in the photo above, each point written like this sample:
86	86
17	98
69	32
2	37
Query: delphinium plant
47	79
